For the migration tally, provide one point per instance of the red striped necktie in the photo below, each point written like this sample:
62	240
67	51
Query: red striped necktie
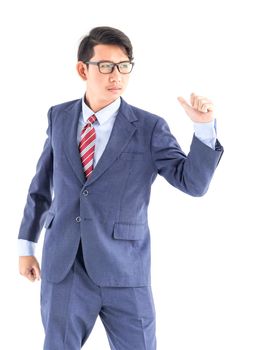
87	146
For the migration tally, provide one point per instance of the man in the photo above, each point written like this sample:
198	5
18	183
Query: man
92	189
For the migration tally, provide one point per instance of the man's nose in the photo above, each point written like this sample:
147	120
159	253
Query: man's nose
115	74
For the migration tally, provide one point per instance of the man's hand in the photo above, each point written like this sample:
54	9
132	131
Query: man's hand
29	267
200	110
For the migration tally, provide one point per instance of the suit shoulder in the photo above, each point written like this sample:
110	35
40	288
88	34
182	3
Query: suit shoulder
148	118
65	105
143	114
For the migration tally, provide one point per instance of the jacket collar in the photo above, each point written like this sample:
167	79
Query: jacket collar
121	134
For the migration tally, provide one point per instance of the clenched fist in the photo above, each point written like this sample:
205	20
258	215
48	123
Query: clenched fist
29	267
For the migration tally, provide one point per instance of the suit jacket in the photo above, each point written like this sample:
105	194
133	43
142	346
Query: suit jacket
108	212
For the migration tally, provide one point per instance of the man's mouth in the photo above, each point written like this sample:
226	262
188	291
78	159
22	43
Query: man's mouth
114	88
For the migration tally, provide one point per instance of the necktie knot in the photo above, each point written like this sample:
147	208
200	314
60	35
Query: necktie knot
92	119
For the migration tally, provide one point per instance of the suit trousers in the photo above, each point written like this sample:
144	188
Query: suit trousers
70	308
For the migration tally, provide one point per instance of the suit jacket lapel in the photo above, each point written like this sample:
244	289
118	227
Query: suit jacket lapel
70	127
122	132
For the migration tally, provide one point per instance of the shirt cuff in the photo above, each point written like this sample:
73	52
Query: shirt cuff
206	133
26	248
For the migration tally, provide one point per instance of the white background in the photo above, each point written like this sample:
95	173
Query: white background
205	250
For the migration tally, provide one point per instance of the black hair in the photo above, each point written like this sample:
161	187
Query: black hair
105	36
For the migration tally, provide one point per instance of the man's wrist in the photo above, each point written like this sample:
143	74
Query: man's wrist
206	133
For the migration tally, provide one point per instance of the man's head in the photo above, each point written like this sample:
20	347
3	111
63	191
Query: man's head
97	54
103	36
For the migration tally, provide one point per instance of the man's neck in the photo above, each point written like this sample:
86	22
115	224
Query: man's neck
96	106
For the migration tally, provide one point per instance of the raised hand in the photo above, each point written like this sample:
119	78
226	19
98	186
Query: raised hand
200	109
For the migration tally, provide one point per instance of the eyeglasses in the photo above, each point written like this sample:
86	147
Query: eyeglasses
107	67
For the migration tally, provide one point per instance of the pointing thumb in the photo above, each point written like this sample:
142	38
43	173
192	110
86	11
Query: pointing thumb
182	100
184	103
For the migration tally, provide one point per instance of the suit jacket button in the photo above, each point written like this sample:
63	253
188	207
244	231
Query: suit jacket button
78	219
85	193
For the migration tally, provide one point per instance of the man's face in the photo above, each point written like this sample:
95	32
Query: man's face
103	89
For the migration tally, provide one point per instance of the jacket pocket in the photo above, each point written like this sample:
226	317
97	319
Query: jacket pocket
130	232
49	219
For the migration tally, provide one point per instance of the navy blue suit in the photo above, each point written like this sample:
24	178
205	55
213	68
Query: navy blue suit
108	212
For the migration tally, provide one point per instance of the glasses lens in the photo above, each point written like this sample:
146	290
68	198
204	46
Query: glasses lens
125	67
105	67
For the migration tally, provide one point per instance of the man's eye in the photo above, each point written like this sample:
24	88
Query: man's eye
106	65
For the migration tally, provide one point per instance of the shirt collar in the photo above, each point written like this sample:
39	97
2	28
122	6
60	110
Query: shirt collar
104	114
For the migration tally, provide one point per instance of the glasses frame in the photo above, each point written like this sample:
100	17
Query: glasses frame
97	63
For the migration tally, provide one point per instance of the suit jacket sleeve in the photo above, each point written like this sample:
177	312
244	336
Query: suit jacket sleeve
190	173
40	193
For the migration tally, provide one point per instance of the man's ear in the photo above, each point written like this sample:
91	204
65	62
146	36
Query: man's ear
81	70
